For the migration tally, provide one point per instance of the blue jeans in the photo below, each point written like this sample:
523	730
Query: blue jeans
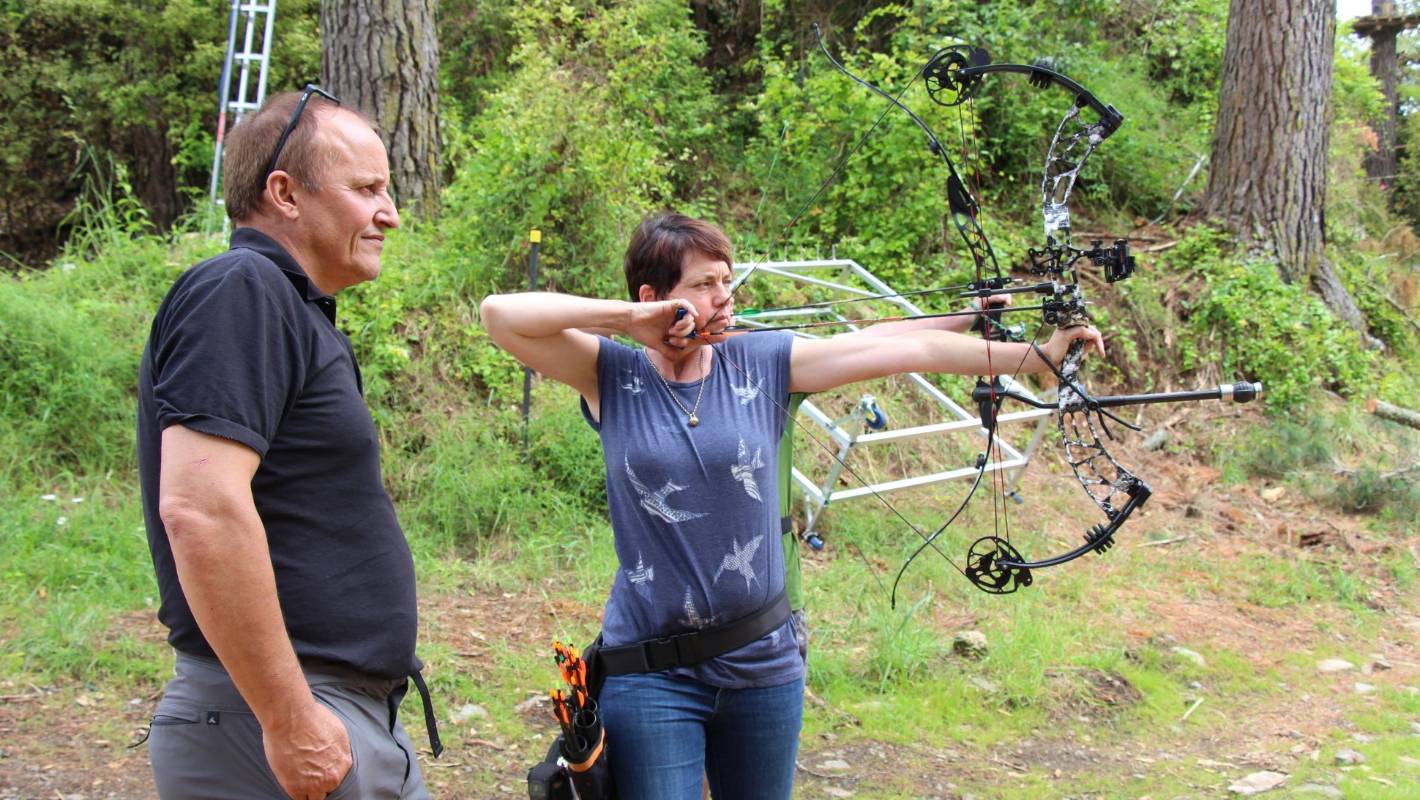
665	733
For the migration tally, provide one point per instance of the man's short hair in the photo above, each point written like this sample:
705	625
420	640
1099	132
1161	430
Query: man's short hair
248	148
660	246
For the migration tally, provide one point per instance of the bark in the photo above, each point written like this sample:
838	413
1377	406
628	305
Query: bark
382	56
152	174
1268	178
1385	410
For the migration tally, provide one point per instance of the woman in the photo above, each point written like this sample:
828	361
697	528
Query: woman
689	428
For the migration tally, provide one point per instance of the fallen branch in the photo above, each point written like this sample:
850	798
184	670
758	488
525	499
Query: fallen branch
1165	541
19	698
1346	472
1386	411
1176	195
817	774
1404	314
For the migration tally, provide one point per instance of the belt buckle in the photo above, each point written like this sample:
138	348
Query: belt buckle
661	653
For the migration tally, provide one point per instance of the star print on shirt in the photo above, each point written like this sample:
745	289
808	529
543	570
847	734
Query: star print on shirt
744	470
655	502
740	561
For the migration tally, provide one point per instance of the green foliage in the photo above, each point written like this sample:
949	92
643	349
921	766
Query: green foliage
1182	43
71	337
1261	326
134	80
1354	209
1309	452
1278	450
63	387
106	213
475	40
1369	490
887	207
606	117
1279	583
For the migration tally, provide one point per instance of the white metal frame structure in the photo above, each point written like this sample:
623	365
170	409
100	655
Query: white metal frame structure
255	49
840	276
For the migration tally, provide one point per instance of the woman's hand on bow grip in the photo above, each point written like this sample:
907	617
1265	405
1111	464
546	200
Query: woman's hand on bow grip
1059	344
663	325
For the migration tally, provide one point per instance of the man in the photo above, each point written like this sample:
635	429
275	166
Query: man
286	582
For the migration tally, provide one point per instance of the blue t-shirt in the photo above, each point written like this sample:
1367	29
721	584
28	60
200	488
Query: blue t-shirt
695	511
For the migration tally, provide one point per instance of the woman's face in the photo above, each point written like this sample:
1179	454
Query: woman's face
705	282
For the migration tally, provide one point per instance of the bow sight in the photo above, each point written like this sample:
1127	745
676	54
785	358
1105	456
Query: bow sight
1115	260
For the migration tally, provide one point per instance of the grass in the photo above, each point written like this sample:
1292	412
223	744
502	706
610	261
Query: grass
513	548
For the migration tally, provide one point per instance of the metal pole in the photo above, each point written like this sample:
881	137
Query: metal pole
266	52
226	88
534	239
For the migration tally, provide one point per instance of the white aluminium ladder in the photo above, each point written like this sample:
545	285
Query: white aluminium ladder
848	279
254	48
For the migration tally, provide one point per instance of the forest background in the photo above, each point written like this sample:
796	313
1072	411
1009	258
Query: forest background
578	118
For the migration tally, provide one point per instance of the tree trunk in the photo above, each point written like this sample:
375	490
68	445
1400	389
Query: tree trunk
1385	68
382	56
152	174
1268	179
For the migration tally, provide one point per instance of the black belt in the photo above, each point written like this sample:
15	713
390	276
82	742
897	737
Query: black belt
681	650
430	723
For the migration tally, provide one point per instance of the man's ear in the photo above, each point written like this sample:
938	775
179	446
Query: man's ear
646	294
280	193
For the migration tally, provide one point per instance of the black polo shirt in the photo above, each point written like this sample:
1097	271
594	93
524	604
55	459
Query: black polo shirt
245	347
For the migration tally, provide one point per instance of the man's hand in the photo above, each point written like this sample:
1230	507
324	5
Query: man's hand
1060	341
310	753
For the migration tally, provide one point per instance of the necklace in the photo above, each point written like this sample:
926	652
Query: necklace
691	418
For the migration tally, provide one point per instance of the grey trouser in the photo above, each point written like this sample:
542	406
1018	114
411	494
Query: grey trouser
204	741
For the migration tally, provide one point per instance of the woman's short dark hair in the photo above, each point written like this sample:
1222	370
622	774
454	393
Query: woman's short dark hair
660	246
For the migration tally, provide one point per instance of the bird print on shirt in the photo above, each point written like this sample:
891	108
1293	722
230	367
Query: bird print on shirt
641	577
744	470
740	560
692	618
635	386
655	502
749	391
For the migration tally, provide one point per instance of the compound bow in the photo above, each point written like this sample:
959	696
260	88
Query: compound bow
953	76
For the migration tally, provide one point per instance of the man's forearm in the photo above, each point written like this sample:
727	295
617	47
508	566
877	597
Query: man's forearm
225	570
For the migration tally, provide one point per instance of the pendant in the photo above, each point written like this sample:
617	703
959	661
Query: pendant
694	420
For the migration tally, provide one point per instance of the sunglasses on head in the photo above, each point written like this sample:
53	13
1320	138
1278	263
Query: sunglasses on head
306	93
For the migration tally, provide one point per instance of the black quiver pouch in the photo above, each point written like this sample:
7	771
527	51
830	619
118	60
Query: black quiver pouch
577	769
585	756
548	780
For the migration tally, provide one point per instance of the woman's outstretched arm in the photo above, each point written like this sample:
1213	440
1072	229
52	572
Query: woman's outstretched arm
817	365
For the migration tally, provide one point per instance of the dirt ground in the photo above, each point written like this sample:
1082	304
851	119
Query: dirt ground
76	742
